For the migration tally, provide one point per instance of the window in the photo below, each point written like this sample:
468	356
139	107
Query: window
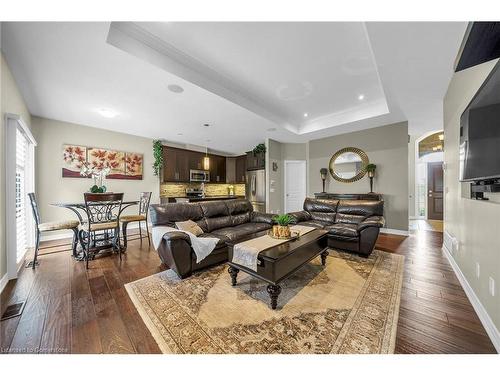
22	177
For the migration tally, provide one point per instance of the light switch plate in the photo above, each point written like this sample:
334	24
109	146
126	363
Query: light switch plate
478	270
491	285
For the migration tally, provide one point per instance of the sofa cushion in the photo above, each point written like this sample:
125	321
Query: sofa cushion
216	215
364	208
240	231
349	219
342	229
314	223
321	209
168	214
222	239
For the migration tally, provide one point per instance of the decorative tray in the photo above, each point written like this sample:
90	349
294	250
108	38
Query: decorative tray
293	236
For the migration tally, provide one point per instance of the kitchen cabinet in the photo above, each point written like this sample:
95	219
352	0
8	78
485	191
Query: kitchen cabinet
217	169
196	160
257	161
175	165
241	169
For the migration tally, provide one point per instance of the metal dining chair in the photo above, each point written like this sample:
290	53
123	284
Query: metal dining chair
102	225
144	200
48	227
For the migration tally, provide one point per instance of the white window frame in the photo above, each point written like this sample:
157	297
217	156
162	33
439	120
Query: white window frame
14	122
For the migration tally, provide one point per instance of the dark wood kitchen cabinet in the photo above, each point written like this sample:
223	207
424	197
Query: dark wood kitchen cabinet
217	168
196	160
175	165
257	161
241	169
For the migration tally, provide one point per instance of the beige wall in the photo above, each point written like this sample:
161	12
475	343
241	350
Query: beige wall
51	135
11	102
475	224
387	147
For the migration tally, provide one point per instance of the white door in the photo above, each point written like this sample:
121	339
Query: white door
295	185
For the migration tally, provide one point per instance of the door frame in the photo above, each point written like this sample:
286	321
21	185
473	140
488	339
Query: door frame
285	163
12	123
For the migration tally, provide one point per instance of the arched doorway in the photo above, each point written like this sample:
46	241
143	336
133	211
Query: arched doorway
429	179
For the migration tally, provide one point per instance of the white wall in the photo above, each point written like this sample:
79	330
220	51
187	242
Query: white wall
476	224
51	187
11	102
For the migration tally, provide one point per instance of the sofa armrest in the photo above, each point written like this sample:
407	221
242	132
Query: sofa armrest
301	216
175	251
260	217
372	221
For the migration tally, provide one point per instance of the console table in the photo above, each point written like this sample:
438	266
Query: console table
353	196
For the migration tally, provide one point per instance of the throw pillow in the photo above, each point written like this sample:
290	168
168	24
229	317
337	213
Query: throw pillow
189	226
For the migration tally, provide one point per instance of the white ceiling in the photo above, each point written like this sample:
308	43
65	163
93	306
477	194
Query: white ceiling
242	78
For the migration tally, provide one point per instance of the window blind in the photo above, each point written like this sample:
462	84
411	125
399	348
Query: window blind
21	197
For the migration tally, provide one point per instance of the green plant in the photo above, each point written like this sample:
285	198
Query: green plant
284	220
371	168
96	189
158	156
259	149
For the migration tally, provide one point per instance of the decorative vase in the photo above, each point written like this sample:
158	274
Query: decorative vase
282	231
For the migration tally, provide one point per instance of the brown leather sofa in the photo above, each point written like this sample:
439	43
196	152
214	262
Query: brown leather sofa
352	225
226	220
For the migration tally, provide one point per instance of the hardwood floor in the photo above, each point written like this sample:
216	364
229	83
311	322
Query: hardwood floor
71	310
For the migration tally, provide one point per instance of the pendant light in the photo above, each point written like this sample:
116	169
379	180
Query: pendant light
206	160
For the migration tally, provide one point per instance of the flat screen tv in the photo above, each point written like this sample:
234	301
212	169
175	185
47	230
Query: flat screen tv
480	133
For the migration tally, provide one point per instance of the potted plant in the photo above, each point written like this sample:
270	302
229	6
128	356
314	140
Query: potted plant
259	149
370	169
282	227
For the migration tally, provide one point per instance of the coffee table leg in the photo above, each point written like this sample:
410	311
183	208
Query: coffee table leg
324	254
234	274
274	291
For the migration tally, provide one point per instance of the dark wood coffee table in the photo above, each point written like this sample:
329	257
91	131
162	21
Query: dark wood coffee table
280	262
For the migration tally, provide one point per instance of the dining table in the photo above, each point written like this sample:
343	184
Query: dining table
79	209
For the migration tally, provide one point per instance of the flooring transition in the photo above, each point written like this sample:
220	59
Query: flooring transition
71	310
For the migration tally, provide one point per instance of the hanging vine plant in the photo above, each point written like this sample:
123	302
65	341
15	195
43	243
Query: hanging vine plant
158	156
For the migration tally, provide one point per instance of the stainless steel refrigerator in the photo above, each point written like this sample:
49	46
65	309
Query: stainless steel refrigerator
255	189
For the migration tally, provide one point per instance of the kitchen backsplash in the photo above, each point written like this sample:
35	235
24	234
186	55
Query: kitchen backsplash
179	190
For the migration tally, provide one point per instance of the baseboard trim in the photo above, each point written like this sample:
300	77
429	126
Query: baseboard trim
481	312
69	234
398	232
3	282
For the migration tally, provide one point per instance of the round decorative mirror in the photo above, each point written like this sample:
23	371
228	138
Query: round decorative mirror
348	164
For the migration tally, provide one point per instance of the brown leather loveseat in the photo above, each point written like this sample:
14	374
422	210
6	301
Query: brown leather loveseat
352	225
226	220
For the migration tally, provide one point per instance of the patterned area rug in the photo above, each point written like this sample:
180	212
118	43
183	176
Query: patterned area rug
349	306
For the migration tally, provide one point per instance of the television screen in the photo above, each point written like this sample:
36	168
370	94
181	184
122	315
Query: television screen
480	133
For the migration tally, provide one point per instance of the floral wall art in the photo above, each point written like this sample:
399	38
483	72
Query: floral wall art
122	165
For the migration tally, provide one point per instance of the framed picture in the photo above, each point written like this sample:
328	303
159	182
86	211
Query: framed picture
122	165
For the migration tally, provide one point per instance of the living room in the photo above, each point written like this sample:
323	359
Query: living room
212	187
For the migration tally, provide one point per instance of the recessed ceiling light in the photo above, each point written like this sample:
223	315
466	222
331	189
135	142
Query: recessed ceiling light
271	129
206	125
306	114
106	112
175	88
361	97
179	133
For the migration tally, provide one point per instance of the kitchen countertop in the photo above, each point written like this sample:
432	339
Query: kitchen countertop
209	198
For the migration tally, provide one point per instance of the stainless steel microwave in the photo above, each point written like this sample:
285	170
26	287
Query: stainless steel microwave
199	176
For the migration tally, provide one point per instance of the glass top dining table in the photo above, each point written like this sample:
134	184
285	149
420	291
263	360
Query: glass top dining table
79	207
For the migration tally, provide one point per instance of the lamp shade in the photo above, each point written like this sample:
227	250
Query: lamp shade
206	163
323	172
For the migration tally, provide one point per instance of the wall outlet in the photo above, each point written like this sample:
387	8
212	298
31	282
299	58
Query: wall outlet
478	270
491	285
